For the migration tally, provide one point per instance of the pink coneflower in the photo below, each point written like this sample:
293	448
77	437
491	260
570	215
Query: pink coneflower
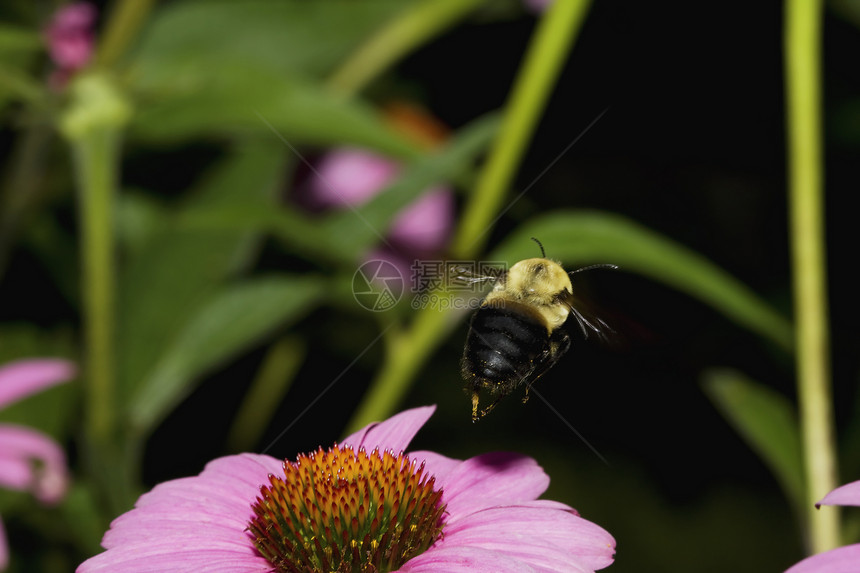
842	559
361	505
29	460
349	177
70	38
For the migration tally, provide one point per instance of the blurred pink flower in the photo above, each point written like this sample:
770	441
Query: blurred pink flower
350	506
350	177
71	39
842	559
537	6
29	460
425	225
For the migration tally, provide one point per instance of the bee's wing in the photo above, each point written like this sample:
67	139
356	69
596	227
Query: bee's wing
466	273
586	317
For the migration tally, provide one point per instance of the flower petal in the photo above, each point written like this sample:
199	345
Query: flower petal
541	534
425	225
191	524
848	494
839	560
395	433
456	559
215	504
437	465
349	177
21	378
492	479
32	461
180	553
4	548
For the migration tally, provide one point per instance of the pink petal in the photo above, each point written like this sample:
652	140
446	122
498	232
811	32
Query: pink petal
537	6
4	548
21	378
191	554
32	461
191	524
349	177
463	560
218	499
393	434
538	533
70	35
492	479
839	560
425	225
848	494
437	465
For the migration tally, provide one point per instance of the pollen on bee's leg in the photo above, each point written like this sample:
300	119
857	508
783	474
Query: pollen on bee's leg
474	406
526	396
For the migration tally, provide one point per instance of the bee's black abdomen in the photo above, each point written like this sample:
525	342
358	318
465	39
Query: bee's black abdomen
502	345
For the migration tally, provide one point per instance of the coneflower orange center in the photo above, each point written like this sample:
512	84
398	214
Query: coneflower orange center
337	510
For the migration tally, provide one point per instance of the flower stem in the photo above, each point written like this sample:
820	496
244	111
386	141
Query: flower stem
548	51
125	20
402	35
92	124
406	352
803	96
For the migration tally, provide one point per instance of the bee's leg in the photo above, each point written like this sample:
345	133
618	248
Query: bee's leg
489	408
500	391
559	343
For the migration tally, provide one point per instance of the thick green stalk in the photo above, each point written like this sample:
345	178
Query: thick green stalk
93	125
124	22
548	51
803	19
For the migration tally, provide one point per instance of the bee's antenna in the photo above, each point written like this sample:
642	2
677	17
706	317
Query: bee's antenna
542	252
597	266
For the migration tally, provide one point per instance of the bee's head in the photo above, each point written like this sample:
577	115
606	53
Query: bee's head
538	280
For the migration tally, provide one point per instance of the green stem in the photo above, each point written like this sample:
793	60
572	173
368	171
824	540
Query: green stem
803	95
406	352
548	51
273	380
403	34
93	126
95	161
125	20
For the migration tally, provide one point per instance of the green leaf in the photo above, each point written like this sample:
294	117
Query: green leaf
767	422
344	236
244	100
166	279
283	36
227	68
14	39
586	237
228	322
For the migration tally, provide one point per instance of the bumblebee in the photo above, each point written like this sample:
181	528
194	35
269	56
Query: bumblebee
516	334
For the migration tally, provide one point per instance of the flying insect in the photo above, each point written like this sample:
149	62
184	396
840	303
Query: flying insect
516	334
